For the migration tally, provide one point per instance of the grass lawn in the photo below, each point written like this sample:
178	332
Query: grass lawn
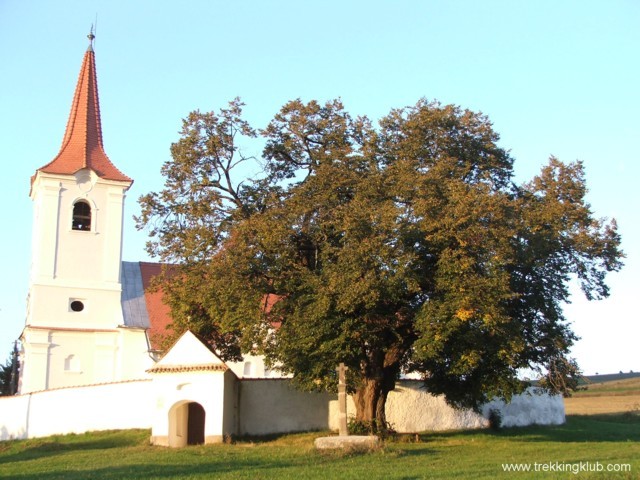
602	431
603	439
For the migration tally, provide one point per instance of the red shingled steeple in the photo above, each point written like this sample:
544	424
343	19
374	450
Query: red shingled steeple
82	143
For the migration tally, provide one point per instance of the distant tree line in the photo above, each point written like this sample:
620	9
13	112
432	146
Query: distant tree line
9	374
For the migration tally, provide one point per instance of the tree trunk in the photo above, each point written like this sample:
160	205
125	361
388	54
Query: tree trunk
367	399
381	415
378	379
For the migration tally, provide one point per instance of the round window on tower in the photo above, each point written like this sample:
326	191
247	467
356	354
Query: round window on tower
76	305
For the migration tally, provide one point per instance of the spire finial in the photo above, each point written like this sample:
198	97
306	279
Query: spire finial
91	37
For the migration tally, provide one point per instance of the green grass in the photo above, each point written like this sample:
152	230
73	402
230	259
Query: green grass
608	439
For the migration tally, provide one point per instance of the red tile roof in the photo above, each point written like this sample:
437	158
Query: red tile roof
268	301
213	367
82	143
159	312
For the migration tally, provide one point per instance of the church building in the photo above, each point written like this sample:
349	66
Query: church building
77	332
91	318
90	355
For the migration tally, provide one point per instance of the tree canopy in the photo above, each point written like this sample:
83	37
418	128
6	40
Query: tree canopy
400	247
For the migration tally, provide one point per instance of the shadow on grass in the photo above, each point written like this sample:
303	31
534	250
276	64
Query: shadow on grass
272	460
56	445
284	438
623	427
149	471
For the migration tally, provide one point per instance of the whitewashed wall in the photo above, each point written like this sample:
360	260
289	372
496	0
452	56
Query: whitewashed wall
531	408
410	408
264	407
273	406
112	406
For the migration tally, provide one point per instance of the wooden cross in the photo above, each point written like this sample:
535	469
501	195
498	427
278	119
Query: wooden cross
342	400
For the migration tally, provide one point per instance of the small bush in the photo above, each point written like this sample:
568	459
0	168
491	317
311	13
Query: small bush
495	419
370	427
633	413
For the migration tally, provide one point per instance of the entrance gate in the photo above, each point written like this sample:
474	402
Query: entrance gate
186	424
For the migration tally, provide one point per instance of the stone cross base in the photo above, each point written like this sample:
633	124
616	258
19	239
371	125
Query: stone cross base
363	442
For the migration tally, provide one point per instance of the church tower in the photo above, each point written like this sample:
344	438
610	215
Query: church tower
72	334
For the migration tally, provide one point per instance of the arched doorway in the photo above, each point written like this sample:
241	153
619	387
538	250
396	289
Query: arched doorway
186	424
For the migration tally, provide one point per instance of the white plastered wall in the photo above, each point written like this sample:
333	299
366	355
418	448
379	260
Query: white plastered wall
533	407
265	407
114	406
273	406
410	408
65	358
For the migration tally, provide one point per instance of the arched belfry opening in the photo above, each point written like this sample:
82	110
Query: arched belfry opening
81	216
186	424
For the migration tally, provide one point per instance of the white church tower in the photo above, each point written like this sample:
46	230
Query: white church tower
75	333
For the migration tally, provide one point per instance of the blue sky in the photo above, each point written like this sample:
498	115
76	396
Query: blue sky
556	78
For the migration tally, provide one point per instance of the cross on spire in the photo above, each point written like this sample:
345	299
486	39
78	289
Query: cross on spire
91	38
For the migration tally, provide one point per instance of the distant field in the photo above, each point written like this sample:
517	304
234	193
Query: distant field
616	396
625	386
608	377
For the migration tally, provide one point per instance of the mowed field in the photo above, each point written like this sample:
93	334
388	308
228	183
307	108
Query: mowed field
617	397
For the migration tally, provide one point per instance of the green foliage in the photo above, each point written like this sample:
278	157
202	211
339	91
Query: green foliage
370	427
405	246
9	373
5	378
